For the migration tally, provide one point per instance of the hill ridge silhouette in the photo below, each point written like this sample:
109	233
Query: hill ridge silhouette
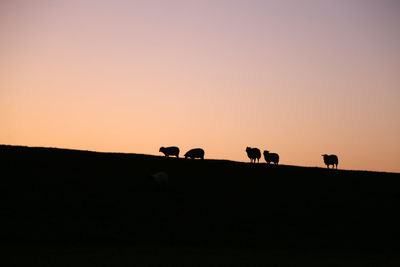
61	196
38	148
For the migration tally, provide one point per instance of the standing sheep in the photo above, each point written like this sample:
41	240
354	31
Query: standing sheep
271	157
253	154
330	160
195	153
172	150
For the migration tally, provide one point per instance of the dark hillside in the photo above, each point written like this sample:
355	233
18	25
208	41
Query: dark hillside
56	197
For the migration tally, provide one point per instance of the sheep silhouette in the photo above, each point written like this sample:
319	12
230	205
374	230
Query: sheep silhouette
170	151
271	157
330	160
195	153
253	154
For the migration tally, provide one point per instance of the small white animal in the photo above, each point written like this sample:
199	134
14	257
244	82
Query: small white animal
160	178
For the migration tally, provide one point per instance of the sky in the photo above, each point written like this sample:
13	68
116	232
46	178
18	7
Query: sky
299	78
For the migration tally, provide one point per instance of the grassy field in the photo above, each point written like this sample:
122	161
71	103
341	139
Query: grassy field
79	208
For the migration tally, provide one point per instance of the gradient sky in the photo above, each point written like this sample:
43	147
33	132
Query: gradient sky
301	78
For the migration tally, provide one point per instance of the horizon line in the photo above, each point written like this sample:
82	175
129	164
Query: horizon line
235	161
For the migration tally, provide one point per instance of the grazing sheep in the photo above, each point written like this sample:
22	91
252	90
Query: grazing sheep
195	153
170	151
160	179
330	160
253	154
271	157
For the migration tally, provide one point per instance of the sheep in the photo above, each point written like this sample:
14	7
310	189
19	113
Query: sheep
330	160
271	157
253	154
195	153
172	150
160	179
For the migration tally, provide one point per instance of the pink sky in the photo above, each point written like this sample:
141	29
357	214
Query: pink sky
300	78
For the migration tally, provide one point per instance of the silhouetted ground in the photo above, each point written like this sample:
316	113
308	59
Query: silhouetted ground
79	208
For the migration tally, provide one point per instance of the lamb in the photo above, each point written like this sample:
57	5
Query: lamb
253	154
172	150
195	153
160	179
330	160
271	157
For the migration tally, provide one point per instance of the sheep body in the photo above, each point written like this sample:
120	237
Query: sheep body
170	151
271	157
330	160
195	153
160	179
253	154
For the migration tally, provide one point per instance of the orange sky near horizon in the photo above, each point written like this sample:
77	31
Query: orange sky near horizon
300	78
